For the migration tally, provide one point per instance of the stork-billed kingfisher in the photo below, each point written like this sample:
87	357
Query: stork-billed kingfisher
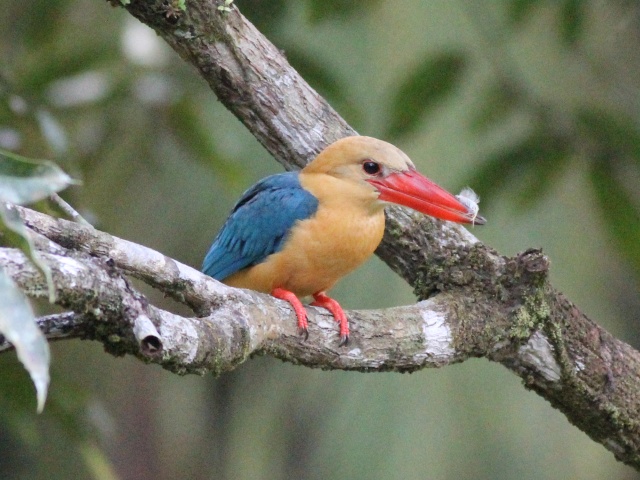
296	234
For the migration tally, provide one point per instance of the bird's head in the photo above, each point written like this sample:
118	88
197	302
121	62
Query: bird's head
392	177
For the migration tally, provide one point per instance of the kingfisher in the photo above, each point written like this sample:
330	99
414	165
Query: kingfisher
296	234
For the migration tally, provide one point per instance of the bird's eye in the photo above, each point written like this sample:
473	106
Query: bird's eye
370	167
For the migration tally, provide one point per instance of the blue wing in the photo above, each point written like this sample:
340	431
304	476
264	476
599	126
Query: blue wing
259	224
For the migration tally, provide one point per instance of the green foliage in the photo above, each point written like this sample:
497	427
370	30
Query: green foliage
614	133
558	134
15	234
572	17
185	118
497	102
325	10
527	169
325	82
65	419
41	12
25	181
17	324
425	87
619	210
519	10
161	163
610	143
266	15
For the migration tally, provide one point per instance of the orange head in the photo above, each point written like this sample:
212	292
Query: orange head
385	174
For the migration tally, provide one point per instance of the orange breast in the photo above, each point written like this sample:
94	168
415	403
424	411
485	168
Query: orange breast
338	238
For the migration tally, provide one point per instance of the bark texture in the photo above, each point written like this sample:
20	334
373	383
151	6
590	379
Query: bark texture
474	302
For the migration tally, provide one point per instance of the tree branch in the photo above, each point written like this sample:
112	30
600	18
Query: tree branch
476	303
503	310
238	323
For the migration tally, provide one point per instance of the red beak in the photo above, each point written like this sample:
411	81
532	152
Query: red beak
413	190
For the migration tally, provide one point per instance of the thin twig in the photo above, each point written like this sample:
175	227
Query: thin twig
69	210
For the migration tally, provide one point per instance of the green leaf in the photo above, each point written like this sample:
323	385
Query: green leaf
266	15
52	131
424	88
67	406
551	157
572	13
321	10
519	9
18	325
618	210
59	64
186	121
617	133
532	164
14	233
43	22
24	181
498	170
327	84
498	102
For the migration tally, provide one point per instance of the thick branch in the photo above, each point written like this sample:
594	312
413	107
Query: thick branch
478	303
447	328
484	306
107	308
253	79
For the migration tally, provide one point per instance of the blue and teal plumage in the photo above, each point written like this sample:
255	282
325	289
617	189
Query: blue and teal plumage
259	224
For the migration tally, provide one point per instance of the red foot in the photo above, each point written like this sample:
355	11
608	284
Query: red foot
301	313
324	301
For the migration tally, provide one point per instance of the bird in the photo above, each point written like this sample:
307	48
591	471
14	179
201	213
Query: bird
295	234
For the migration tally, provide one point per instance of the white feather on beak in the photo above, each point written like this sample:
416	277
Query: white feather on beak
470	199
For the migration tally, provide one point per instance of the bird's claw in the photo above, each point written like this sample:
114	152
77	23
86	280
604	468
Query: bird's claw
303	326
303	331
322	300
298	308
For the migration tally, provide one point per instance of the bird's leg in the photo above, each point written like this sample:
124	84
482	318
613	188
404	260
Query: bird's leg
324	301
296	304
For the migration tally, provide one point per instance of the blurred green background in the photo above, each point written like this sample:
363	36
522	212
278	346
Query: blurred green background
535	104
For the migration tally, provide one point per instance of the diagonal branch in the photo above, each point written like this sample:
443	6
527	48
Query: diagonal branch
523	324
254	81
476	303
233	324
504	310
239	323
